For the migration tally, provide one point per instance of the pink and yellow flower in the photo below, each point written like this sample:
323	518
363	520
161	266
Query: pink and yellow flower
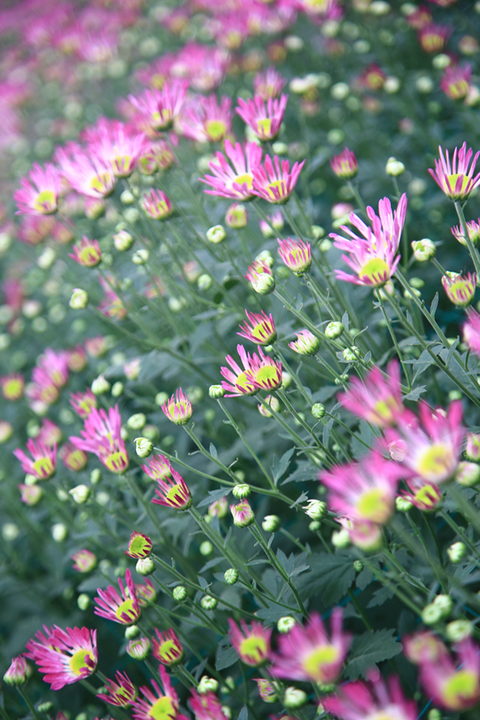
473	230
83	403
86	174
234	179
205	119
167	648
456	178
206	706
455	81
102	437
39	192
73	458
157	205
260	328
424	496
158	109
433	37
139	546
261	277
121	692
87	253
305	344
158	705
471	331
309	653
460	289
372	701
12	386
251	643
376	399
372	257
264	117
172	490
64	656
84	561
296	255
344	165
30	494
178	409
116	145
43	462
273	181
123	608
268	84
260	373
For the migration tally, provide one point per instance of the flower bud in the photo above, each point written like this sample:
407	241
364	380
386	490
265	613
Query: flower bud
242	514
431	614
216	234
59	532
402	504
285	624
468	473
358	565
83	601
100	385
137	421
459	630
145	566
80	494
423	250
79	299
350	354
457	552
45	707
123	240
341	539
231	576
434	714
445	604
334	330
394	167
117	389
216	392
271	523
139	648
315	509
207	684
305	344
236	216
140	257
318	411
286	380
143	447
204	282
17	673
206	548
266	690
208	602
179	593
241	491
294	698
132	632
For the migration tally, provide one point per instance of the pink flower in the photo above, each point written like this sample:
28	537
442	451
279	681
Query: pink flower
433	37
55	365
17	672
102	437
64	656
424	496
158	705
456	179
460	289
139	546
260	328
157	205
158	109
172	490
167	648
372	257
273	181
116	145
455	81
87	252
83	402
251	643
372	701
178	409
261	277
206	119
345	164
73	458
242	514
296	255
121	693
305	344
265	118
234	180
376	399
260	373
84	561
43	462
364	491
268	84
471	331
206	706
39	194
124	608
88	175
473	230
308	653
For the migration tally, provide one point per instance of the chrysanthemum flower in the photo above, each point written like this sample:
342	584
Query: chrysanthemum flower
73	458
471	331
266	690
12	386
102	437
146	593
456	179
39	192
423	645
345	164
167	648
83	403
157	205
265	118
43	462
308	653
242	514
206	119
359	701
112	305
261	277
30	494
273	181
234	179
433	442
260	373
206	706
455	81
116	145
363	491
178	409
76	359
424	496
86	174
17	671
376	399
473	230
139	546
260	328
124	608
460	289
84	561
373	257
55	365
433	37
172	490
158	109
305	344
87	253
296	255
251	643
121	692
158	705
64	656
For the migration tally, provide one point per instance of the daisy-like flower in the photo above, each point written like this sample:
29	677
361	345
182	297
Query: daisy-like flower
266	690
157	205
376	399
49	433
273	181
473	230
39	192
268	84
372	701
87	253
146	593
115	144
120	692
12	386
460	289
158	109
206	119
55	365
433	37
102	437
167	648
84	561
87	174
433	442
83	403
345	164
178	409
423	645
372	257
43	462
309	653
206	706
265	118
123	608
456	178
76	359
139	546
424	496
471	331
73	458
158	705
260	328
259	373
64	656
111	305
261	277
251	643
234	179
30	494
296	255
305	344
172	490
363	491
456	81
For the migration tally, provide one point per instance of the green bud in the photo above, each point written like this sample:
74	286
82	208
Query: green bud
358	565
45	707
123	240
143	447
132	632
285	624
231	576
435	714
351	354
431	614
79	299
315	526
318	411
334	330
80	494
208	602
137	421
139	648
402	504
315	509
204	282
95	476
340	539
394	167
179	593
206	685
206	548
145	566
216	391
444	603
457	552
216	234
271	523
117	389
140	257
286	380
459	630
100	385
83	601
241	491
294	698
325	245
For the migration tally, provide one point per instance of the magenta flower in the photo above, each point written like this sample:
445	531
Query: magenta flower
205	119
73	458
456	179
251	643
455	81
261	277
55	364
242	514
423	646
372	257
30	494
84	561
372	701
234	180
460	289
158	109
43	462
121	693
146	593
87	174
87	253
433	37
39	192
309	653
471	331
273	181
172	490
167	648
265	118
424	496
305	344
364	491
157	205
296	255
102	437
473	230
158	705
178	409
83	402
116	145
268	84
260	373
64	656
376	399
206	706
17	671
260	328
139	546
345	164
124	608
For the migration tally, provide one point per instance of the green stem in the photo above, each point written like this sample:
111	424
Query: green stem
26	700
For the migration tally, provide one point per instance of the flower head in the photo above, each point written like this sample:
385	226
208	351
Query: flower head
158	705
172	490
12	386
158	109
471	331
124	608
64	656
206	706
43	462
264	117
456	178
273	181
268	84
234	179
377	399
372	257
205	119
344	165
424	496
309	653
296	255
372	701
120	692
139	546
260	328
433	37
83	403
251	643
157	205
473	230
178	409
30	494
84	561
455	81
260	373
116	145
87	252
460	289
242	513
17	671
102	437
73	458
167	648
86	174
305	344
39	192
261	277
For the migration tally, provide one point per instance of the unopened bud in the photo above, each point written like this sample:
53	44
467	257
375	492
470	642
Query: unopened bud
318	411
179	593
79	299
143	447
423	250
402	504
206	548
334	330
457	552
145	566
117	389
59	532
100	385
264	284
315	509
394	167
231	576
444	603
431	614
468	474
207	684
286	380
241	491
140	257
459	630
351	354
139	648
358	565
216	234
204	282
294	698
132	632
341	539
83	601
285	624
216	391
271	523
123	240
236	216
137	421
80	494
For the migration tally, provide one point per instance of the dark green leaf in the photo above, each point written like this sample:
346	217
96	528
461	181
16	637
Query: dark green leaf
368	649
279	467
330	577
214	495
225	657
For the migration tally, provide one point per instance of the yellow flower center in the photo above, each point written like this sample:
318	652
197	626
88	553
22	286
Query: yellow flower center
451	181
374	506
45	203
385	409
262	333
280	186
264	128
116	462
101	183
255	648
122	165
426	495
163	709
169	652
176	496
375	271
245	179
89	257
268	374
216	130
434	462
245	385
315	661
162	119
78	661
13	389
128	607
76	460
462	686
138	545
44	468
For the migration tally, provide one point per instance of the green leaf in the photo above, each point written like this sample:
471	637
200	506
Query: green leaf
243	715
279	467
330	577
225	657
214	495
368	649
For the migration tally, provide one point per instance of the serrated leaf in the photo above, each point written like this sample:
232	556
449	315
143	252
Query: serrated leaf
225	657
380	596
213	496
415	393
330	577
369	649
326	432
279	467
